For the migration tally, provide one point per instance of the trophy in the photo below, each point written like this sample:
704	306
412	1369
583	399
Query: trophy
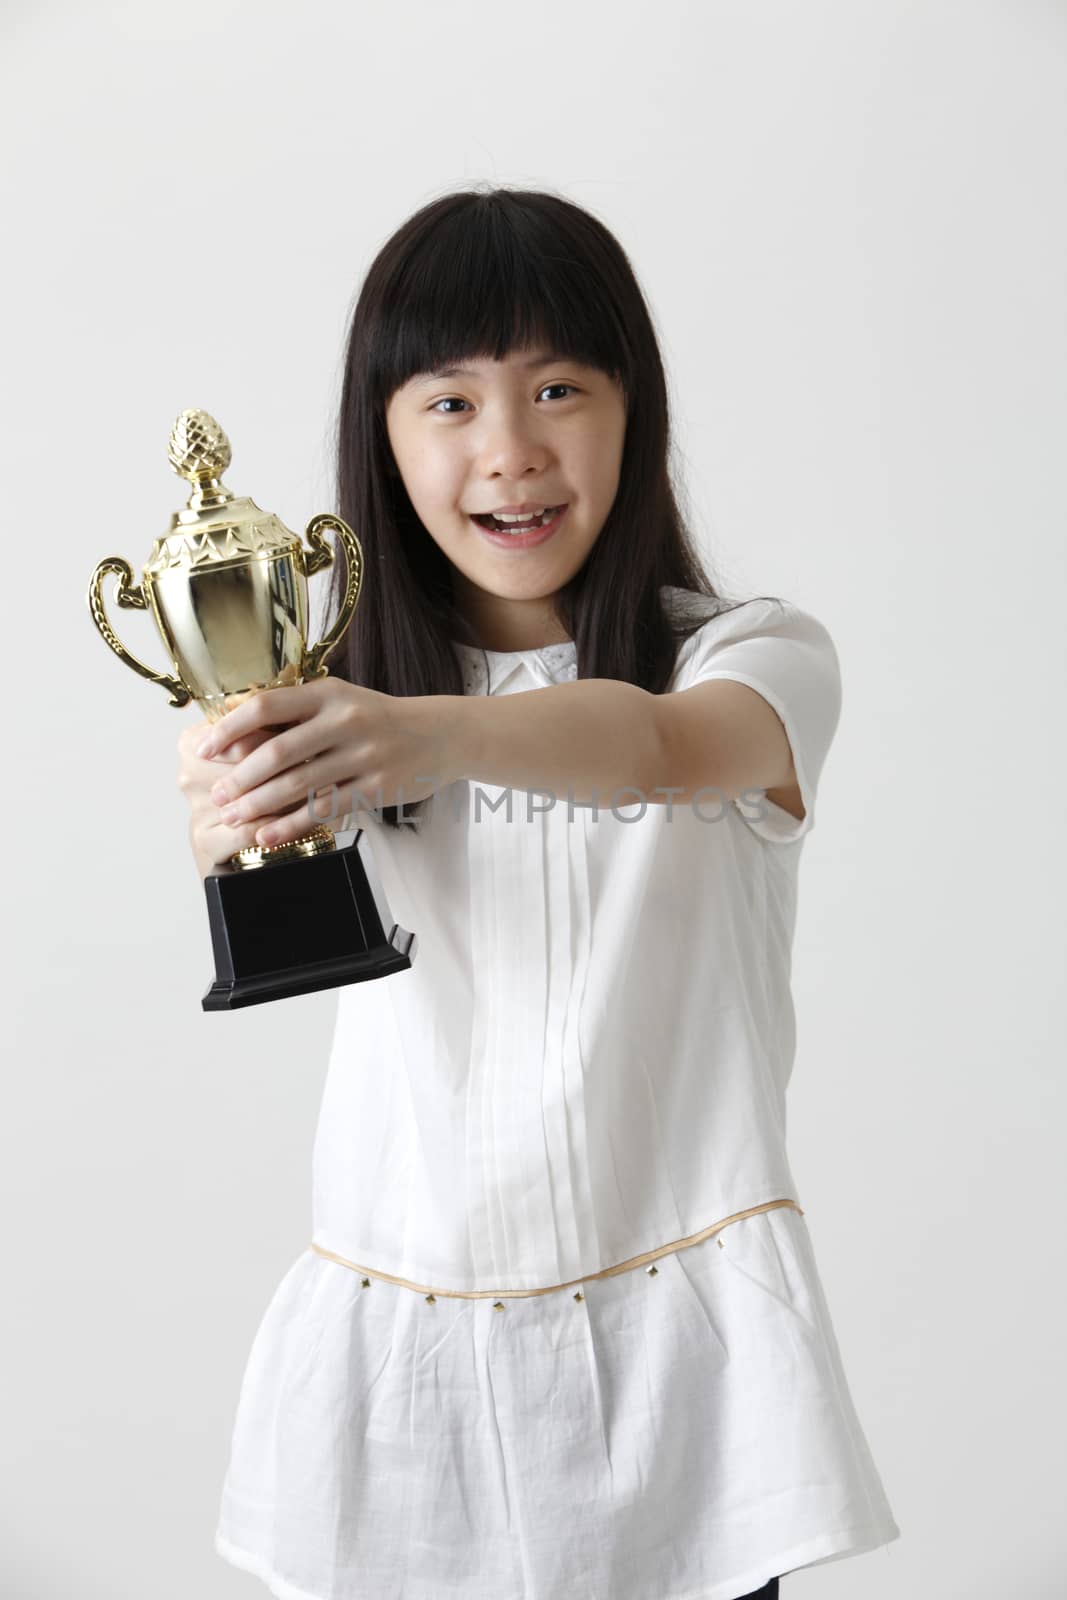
228	588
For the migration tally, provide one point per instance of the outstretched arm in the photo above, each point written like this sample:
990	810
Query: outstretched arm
597	738
595	741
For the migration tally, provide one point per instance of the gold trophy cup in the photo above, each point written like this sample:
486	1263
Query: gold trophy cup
228	588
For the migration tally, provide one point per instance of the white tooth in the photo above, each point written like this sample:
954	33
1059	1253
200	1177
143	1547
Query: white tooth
524	516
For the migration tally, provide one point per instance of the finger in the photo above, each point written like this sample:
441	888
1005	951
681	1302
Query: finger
192	735
236	751
223	840
327	813
244	747
305	795
272	778
264	708
219	842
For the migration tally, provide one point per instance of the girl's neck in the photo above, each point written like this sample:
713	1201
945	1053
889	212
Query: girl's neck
506	625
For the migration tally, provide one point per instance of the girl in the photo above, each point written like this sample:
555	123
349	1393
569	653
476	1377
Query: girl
559	1331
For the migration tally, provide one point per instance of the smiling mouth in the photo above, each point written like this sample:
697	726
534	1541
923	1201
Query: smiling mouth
498	525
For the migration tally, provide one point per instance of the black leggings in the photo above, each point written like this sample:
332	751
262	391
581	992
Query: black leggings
768	1592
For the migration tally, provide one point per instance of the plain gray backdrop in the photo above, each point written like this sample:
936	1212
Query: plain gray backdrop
849	221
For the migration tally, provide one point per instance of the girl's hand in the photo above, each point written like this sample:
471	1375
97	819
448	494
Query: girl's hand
378	749
212	840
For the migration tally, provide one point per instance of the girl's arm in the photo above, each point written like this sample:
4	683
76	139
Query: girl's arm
595	741
589	741
596	738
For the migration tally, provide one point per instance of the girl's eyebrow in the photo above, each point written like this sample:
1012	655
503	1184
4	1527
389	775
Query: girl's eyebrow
540	360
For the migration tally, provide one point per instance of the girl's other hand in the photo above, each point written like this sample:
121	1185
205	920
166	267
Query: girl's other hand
211	840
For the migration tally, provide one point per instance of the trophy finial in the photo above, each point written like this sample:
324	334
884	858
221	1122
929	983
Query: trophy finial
198	449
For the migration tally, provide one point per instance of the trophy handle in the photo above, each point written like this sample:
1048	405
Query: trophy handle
322	556
130	595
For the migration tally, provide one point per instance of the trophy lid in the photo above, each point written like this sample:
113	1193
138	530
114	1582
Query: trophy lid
215	527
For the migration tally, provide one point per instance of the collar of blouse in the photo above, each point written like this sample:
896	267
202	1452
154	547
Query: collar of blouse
487	671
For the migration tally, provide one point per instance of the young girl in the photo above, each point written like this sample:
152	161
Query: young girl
559	1332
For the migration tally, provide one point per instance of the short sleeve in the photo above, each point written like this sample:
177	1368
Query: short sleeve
788	657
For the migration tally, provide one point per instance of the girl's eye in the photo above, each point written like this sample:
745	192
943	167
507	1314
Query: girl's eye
450	398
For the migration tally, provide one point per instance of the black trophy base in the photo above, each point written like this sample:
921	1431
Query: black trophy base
293	927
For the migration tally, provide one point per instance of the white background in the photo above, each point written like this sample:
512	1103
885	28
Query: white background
849	221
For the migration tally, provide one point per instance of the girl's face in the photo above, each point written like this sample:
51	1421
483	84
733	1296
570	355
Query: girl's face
532	430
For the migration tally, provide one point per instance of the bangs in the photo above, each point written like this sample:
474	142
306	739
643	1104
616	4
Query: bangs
484	281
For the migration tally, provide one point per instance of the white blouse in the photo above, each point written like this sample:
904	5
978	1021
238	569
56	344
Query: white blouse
586	1064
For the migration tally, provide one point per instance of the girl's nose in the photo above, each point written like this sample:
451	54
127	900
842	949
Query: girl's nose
513	452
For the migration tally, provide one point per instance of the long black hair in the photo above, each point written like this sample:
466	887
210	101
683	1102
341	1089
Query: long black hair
479	273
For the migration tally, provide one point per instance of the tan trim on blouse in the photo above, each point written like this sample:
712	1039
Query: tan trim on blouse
608	1272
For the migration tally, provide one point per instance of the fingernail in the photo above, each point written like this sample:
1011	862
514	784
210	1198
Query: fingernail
205	747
